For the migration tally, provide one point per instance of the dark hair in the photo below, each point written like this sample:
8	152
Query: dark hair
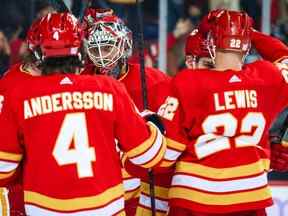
42	4
29	57
67	64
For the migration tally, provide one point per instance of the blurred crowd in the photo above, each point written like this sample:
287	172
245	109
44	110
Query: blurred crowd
183	15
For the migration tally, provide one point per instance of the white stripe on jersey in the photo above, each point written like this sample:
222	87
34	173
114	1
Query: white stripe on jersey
110	209
152	151
220	186
131	184
159	204
8	166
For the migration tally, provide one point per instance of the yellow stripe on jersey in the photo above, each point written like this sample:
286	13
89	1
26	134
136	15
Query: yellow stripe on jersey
132	194
223	173
135	191
10	156
150	152
167	163
147	212
4	202
158	157
175	145
125	174
219	199
75	203
146	145
122	213
160	192
7	175
279	60
174	150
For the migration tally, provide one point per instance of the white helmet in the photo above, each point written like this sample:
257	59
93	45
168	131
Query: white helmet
108	39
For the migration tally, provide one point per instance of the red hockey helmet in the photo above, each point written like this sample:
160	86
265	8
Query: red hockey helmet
231	30
32	37
196	45
60	35
108	38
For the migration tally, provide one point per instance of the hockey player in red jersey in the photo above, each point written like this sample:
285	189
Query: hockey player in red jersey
197	56
109	56
196	52
68	123
109	45
274	50
221	118
14	76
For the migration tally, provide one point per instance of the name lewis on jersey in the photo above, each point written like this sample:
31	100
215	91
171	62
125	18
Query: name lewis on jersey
237	99
67	101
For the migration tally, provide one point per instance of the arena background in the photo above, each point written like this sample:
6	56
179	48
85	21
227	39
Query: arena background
161	19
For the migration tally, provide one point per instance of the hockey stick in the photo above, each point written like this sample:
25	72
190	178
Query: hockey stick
144	93
88	4
60	6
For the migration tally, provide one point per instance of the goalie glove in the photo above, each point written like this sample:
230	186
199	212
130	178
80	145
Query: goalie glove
154	118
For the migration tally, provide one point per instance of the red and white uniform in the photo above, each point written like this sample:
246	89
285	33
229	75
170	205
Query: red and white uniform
154	79
221	122
157	87
157	90
70	162
14	76
273	50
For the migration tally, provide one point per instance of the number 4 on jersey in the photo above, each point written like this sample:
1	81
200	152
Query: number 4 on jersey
74	130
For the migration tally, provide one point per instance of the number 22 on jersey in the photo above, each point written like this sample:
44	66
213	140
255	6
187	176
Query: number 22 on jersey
74	131
252	125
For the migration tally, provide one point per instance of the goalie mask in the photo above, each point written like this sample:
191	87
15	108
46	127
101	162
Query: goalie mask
109	41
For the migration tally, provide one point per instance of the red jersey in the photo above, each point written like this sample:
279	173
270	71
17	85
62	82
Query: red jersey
154	78
14	76
221	122
270	48
157	86
69	124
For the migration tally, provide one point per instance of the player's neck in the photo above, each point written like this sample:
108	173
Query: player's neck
228	61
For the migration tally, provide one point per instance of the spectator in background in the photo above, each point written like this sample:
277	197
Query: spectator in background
16	39
176	42
195	10
4	53
43	8
192	14
18	45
